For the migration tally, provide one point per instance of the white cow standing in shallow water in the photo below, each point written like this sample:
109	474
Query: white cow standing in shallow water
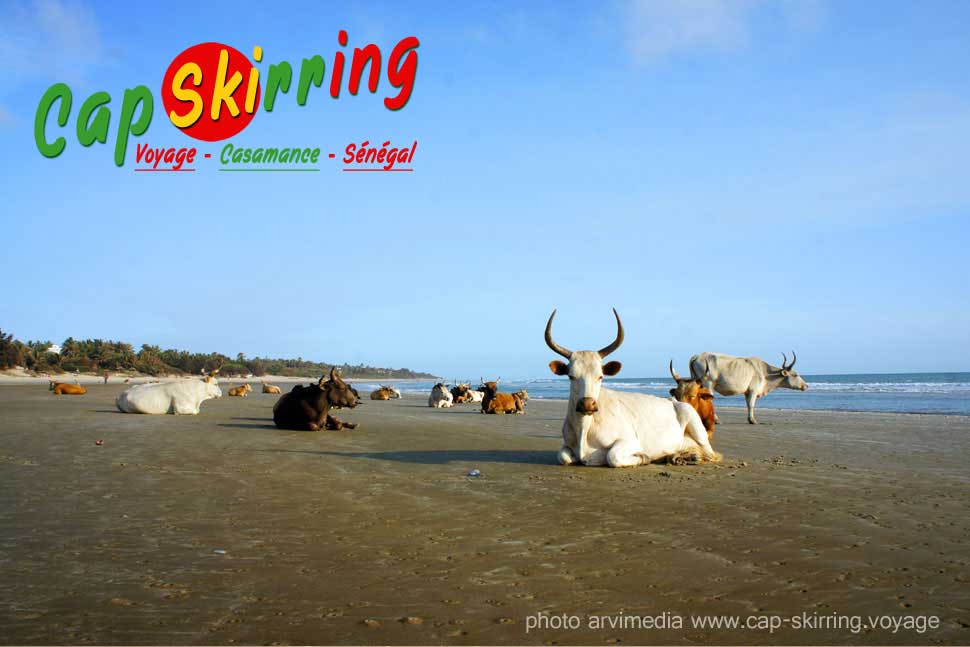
183	397
605	427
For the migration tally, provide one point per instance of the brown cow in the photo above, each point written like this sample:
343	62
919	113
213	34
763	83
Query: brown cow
269	388
62	388
523	395
383	393
690	391
461	393
495	402
240	391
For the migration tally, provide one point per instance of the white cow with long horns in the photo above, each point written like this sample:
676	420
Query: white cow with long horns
604	427
755	378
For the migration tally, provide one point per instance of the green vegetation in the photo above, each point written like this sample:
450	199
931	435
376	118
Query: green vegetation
106	356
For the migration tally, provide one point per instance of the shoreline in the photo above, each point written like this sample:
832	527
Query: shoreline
89	379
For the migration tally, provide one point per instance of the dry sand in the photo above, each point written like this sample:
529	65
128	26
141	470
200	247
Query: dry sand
377	535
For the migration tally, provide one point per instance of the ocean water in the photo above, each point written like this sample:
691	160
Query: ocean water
941	393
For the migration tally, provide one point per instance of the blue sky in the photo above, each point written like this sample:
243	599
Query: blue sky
744	177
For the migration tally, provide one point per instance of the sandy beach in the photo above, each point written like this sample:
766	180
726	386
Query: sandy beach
219	528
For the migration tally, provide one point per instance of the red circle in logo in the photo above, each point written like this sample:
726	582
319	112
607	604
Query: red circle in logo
210	76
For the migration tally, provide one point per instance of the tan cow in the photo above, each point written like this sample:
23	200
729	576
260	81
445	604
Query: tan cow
240	391
269	388
62	388
382	393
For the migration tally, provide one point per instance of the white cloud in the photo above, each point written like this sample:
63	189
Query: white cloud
657	29
895	158
49	40
803	15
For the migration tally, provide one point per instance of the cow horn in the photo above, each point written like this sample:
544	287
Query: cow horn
784	362
561	350
673	373
794	358
619	336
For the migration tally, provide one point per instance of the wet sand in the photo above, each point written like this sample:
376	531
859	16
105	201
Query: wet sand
377	536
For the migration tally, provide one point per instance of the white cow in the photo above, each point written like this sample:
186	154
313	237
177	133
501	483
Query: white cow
477	396
182	397
755	378
605	427
441	397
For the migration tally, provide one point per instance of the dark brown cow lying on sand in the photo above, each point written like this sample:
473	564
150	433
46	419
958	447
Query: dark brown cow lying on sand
307	408
495	402
461	393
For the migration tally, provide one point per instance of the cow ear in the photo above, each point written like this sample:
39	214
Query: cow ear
612	368
705	396
673	392
558	367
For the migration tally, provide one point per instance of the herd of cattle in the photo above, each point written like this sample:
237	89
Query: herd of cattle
621	429
487	394
601	427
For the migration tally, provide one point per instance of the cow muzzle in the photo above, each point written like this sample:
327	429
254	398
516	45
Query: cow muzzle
586	406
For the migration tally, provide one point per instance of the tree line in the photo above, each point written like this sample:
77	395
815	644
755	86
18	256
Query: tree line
107	356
